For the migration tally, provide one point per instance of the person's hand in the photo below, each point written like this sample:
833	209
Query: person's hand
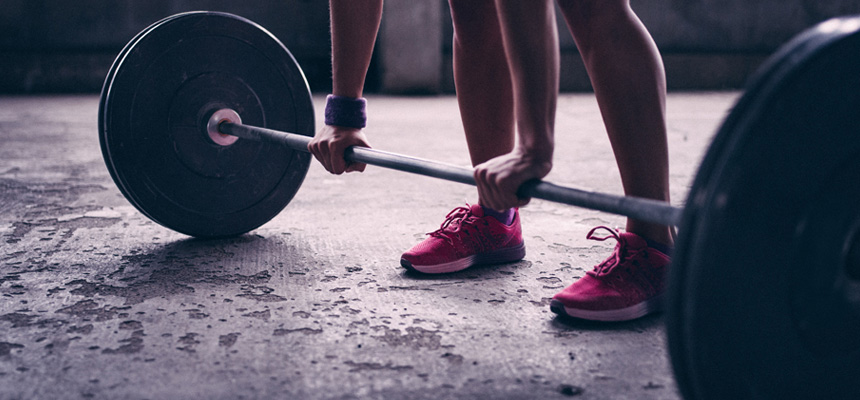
499	178
331	142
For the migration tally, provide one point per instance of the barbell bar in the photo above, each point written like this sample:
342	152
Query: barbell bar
638	208
764	288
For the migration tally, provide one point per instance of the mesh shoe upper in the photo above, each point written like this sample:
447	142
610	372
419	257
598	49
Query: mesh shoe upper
633	274
466	232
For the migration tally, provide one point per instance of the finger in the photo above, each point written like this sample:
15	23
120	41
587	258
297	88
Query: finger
508	194
355	167
316	150
325	157
521	201
500	202
488	197
338	163
313	148
504	188
496	191
483	197
493	195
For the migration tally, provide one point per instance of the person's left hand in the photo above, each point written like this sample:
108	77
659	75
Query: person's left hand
499	178
330	143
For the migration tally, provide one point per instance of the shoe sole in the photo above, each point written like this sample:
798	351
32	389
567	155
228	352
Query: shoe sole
506	255
622	314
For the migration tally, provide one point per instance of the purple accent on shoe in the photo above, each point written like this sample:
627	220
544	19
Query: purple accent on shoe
348	112
506	217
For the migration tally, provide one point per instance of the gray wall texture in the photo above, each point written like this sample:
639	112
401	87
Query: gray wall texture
68	46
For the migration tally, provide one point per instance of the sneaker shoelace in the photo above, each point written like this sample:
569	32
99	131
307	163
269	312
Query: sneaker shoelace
458	219
618	257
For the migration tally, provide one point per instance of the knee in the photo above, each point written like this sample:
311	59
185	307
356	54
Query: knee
474	20
585	12
465	11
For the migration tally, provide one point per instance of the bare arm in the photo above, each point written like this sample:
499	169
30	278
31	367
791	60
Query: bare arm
354	26
531	45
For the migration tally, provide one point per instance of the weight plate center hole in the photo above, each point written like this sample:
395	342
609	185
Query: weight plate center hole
215	121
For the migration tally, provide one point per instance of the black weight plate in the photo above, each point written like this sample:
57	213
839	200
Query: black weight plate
109	79
764	300
155	104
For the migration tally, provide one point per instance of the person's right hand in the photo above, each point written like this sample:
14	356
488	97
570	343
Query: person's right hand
498	179
330	143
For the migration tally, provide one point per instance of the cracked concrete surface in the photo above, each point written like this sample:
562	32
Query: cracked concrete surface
99	302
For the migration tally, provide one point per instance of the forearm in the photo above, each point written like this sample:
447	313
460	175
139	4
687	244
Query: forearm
531	43
354	25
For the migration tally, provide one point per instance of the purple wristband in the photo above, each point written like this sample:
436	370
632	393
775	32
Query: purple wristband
345	111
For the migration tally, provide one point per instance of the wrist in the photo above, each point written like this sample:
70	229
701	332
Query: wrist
345	111
536	154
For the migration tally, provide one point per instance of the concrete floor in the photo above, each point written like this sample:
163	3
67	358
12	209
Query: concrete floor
100	302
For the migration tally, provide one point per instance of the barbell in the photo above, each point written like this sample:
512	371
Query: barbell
204	120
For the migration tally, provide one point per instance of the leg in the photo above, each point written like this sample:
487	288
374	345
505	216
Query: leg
469	236
531	46
627	74
628	79
483	80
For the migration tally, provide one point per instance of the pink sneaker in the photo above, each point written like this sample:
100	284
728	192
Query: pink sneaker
466	238
627	285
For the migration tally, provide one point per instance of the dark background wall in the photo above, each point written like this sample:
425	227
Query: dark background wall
706	44
68	46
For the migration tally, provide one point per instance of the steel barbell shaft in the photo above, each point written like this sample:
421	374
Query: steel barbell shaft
633	207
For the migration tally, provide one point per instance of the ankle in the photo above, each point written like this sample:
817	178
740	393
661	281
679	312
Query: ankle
506	217
658	235
663	248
